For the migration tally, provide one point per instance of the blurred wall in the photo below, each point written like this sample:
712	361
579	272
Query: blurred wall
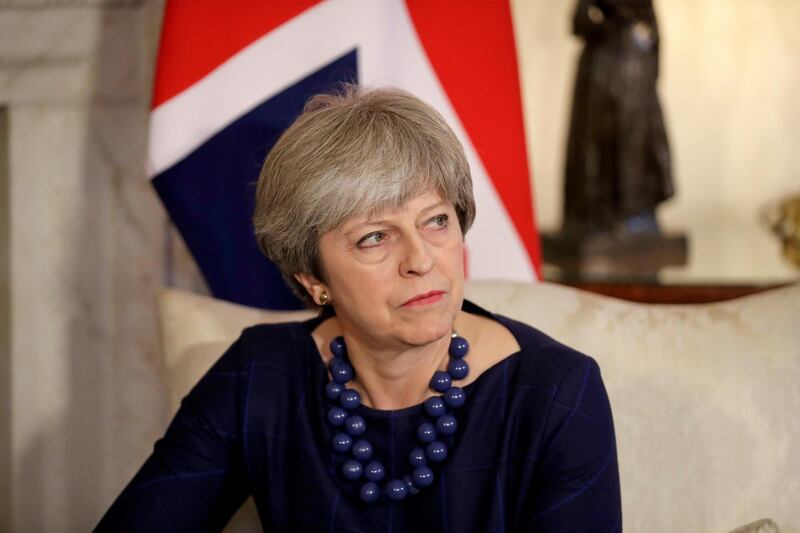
730	80
86	243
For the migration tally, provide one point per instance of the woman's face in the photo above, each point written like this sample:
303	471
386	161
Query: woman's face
396	280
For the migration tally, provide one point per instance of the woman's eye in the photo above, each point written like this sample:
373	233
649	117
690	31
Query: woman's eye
373	239
439	221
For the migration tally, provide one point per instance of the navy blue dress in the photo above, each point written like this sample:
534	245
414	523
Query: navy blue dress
535	449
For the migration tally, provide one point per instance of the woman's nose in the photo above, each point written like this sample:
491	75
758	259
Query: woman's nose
417	259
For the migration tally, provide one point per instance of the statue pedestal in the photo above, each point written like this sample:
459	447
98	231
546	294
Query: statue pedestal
728	258
601	255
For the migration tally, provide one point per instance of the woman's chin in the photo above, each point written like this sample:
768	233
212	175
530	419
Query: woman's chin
422	334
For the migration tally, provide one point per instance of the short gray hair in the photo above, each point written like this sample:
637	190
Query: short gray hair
350	153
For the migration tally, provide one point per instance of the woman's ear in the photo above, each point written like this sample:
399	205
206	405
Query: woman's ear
314	287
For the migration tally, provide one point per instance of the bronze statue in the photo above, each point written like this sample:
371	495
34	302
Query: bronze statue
618	161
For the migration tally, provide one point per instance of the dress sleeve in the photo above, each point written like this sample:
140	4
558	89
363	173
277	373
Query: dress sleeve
195	478
577	486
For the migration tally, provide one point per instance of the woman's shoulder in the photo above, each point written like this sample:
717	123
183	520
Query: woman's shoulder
542	362
569	379
281	345
534	345
276	334
544	357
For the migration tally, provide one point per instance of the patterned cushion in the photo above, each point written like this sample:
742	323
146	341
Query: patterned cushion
705	397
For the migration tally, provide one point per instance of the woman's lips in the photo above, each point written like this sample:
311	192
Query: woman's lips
424	299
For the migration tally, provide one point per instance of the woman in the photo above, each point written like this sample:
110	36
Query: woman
378	415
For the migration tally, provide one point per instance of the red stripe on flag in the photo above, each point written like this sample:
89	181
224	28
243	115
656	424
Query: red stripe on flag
471	47
197	36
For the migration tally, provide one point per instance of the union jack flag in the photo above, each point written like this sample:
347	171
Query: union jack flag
231	76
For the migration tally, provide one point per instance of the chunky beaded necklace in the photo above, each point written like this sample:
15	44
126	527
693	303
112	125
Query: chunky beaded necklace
360	463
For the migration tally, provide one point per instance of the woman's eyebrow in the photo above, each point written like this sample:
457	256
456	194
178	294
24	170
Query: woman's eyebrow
357	228
387	222
437	205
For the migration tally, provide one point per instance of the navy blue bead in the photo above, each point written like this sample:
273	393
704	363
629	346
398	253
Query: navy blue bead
410	487
333	390
435	406
417	457
455	397
341	371
446	424
422	476
441	381
354	425
349	399
426	432
396	490
374	471
369	492
459	347
336	416
352	469
341	442
436	451
362	450
457	368
338	349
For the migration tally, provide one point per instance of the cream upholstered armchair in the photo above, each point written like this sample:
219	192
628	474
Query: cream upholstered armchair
706	398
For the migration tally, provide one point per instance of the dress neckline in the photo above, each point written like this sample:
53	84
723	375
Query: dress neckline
311	324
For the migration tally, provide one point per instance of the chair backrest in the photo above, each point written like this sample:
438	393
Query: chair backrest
706	398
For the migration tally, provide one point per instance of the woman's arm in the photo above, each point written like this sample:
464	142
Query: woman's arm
194	480
577	486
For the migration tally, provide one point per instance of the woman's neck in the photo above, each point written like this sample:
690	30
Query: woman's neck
391	380
387	378
394	379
